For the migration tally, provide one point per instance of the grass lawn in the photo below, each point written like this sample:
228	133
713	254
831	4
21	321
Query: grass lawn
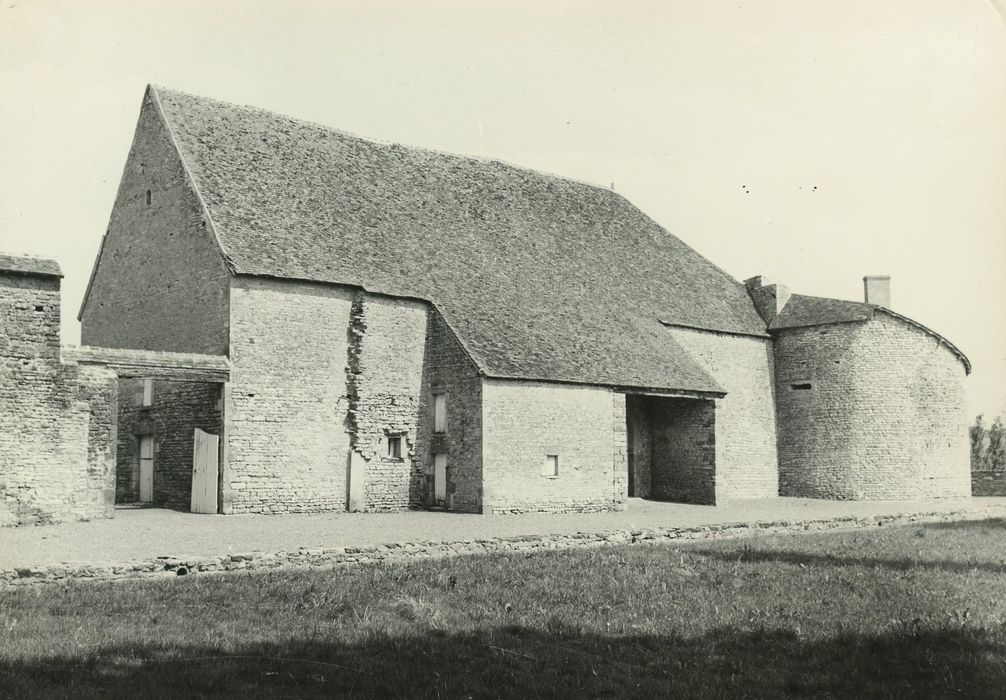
891	612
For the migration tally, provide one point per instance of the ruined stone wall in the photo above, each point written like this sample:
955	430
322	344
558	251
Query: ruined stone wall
160	281
747	457
321	377
176	410
447	369
525	421
57	427
684	454
385	385
871	410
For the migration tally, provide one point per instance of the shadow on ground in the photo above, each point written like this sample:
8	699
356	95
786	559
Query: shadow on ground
519	662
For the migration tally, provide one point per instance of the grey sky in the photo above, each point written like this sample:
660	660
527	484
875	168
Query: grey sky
810	141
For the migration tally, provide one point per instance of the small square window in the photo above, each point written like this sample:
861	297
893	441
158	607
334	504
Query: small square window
440	413
394	447
551	466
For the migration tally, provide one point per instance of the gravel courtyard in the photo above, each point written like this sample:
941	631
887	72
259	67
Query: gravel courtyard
144	533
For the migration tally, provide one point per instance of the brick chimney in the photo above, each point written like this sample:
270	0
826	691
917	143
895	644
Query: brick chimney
769	298
877	290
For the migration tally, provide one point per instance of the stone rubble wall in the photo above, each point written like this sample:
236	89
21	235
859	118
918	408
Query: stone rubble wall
57	420
885	417
684	456
370	555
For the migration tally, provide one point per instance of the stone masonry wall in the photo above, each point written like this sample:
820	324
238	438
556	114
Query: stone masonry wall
160	281
883	417
386	387
57	426
286	412
321	377
684	453
747	457
176	410
525	421
447	369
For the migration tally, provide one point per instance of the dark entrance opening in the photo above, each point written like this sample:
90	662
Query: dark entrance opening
671	448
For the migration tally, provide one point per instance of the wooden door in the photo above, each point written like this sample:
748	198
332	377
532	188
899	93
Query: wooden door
204	472
146	469
440	479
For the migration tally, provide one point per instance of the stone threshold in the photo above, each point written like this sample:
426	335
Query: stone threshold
322	557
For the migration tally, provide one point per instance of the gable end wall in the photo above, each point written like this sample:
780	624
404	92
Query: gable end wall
160	282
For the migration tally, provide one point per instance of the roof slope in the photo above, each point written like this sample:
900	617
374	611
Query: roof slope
801	311
540	277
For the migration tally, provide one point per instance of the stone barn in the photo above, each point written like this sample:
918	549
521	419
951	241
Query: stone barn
407	328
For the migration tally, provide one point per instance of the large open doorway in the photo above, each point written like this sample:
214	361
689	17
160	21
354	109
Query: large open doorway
671	448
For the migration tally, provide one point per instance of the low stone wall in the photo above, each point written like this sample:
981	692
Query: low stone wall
164	566
988	483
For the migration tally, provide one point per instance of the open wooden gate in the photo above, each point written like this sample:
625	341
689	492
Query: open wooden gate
204	472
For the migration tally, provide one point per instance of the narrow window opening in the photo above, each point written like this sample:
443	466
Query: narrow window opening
148	197
148	392
440	413
40	308
801	386
551	466
394	447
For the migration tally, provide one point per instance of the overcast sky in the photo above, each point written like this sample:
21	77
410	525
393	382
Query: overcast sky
811	141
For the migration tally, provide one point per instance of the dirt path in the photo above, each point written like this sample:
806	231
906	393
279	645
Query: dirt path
141	534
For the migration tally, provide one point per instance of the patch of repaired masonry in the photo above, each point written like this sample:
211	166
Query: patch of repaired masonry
321	557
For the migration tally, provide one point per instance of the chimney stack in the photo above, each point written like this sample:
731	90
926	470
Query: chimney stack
769	298
877	290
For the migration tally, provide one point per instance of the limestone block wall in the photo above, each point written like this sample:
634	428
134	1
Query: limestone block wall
872	410
447	369
176	410
747	457
57	427
523	422
160	282
287	408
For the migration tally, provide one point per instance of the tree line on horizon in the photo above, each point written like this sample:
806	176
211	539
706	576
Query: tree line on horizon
988	445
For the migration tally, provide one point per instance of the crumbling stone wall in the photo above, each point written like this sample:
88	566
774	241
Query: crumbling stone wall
57	426
160	282
387	340
525	421
746	452
176	410
872	410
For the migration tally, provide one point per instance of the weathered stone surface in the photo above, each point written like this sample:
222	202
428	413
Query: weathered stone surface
57	420
872	410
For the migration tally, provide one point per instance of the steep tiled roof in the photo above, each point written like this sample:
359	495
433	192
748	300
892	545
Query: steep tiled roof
540	277
803	310
30	266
